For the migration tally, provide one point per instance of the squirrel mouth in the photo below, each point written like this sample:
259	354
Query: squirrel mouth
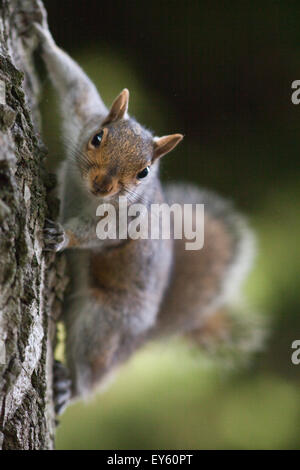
104	194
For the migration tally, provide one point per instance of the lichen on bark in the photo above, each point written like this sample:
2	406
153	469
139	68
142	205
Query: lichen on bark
31	283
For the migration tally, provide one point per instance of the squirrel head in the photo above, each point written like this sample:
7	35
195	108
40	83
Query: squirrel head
119	156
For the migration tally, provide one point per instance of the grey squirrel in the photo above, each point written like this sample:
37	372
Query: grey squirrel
124	293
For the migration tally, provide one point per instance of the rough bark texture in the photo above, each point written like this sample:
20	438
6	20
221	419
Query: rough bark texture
31	283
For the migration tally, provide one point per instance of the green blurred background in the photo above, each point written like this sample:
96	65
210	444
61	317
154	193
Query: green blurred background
221	73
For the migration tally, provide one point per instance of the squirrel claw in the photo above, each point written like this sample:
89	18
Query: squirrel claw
32	24
31	13
54	236
61	387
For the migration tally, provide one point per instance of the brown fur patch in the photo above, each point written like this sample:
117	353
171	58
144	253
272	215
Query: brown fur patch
72	240
215	328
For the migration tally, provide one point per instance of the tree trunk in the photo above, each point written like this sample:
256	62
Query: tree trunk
31	282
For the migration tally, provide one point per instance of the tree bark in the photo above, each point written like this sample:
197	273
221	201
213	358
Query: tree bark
31	282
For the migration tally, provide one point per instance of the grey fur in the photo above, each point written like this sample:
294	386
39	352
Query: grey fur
123	293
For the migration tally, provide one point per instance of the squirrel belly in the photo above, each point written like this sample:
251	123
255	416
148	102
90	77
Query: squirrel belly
112	302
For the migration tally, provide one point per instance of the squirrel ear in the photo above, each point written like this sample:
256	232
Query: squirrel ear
163	145
119	107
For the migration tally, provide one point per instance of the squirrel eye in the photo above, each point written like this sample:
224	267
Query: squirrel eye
143	173
96	140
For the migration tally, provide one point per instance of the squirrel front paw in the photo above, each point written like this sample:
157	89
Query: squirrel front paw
55	238
44	36
32	24
61	387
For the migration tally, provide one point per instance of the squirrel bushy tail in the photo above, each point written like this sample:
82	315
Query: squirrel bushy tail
205	283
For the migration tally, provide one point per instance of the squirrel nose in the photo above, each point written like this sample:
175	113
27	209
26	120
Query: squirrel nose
104	186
